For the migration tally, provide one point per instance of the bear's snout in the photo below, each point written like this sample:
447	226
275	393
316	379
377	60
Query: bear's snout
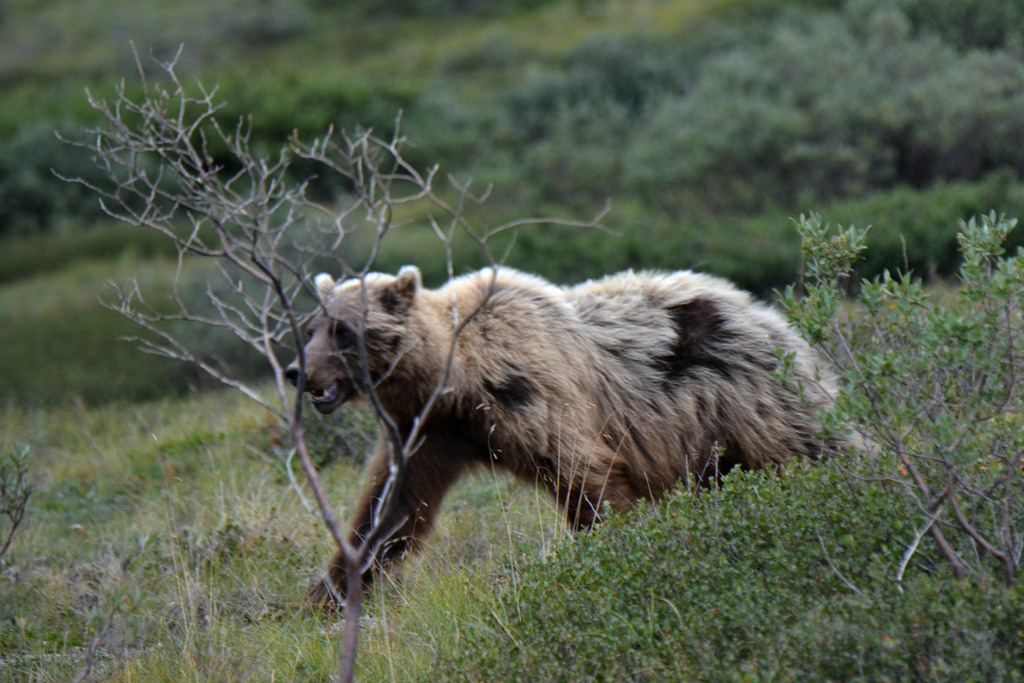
326	392
291	373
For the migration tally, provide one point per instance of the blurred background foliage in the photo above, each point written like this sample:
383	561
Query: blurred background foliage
707	124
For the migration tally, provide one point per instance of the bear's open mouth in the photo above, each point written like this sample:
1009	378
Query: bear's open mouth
328	395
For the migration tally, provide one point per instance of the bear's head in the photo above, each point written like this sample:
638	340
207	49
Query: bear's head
360	319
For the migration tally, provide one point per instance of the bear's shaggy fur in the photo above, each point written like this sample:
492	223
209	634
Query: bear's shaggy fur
608	392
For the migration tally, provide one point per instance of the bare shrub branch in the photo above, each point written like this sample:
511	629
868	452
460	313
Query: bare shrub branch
174	169
16	487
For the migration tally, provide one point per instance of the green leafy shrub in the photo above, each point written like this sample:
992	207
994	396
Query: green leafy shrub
771	576
455	7
829	105
935	384
566	125
916	230
911	228
267	22
967	23
627	71
968	119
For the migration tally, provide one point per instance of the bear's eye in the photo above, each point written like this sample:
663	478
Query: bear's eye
344	336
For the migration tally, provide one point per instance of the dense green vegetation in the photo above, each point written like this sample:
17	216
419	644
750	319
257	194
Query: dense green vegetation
707	125
772	577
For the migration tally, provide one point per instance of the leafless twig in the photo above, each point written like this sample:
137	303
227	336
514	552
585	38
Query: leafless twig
256	221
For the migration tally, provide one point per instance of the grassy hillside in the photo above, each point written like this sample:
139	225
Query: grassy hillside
190	504
166	529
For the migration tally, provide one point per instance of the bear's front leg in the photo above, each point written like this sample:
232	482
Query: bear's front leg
429	473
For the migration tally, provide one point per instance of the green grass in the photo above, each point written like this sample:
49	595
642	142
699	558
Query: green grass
28	256
188	501
60	343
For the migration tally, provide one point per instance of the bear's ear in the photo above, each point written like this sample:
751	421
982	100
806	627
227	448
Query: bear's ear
399	294
409	281
324	285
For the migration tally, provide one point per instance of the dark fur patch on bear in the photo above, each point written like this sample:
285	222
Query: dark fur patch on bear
515	389
700	329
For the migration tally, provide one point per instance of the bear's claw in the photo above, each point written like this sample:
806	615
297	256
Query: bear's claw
324	598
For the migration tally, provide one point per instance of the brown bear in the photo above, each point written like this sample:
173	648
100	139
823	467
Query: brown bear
604	393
